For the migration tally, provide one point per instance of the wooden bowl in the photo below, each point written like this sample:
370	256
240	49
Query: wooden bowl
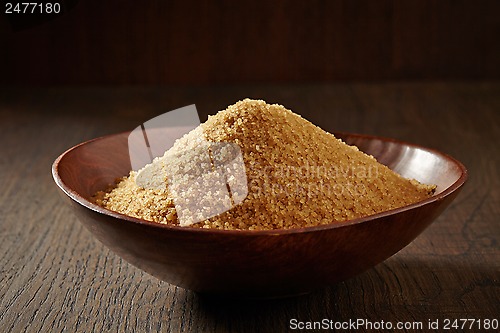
256	263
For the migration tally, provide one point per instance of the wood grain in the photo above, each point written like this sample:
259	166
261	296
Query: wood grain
195	42
54	276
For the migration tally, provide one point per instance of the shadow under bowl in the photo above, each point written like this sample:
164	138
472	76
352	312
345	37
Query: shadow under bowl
256	264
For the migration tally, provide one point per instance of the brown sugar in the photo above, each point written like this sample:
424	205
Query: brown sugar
297	175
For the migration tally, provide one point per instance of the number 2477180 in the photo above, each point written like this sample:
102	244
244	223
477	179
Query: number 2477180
32	8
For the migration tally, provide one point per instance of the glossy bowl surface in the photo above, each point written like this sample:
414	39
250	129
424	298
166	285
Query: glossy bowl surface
256	263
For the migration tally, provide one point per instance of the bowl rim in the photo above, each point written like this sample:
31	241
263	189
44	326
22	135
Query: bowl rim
76	197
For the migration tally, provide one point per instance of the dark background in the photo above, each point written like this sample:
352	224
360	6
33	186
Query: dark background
204	42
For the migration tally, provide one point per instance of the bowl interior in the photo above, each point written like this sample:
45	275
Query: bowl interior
411	161
94	165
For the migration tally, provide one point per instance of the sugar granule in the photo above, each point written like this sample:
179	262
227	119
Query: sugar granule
298	175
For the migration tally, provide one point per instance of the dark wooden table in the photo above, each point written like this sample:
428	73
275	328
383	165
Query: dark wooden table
55	277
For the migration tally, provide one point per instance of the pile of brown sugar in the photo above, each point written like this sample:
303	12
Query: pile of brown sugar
298	175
